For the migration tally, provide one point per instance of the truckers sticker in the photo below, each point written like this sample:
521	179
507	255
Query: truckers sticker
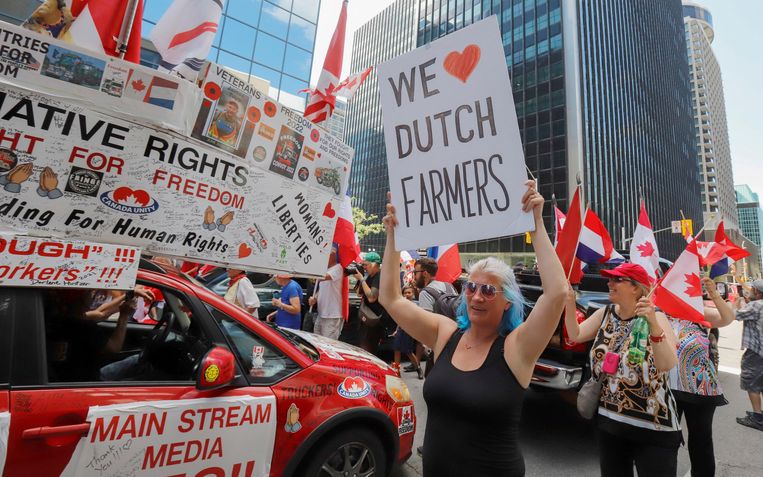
292	419
84	181
353	387
216	436
404	420
32	261
287	152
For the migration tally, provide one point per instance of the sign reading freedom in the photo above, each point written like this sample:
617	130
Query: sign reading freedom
455	161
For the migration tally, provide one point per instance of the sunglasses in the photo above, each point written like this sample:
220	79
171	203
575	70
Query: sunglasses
621	279
488	291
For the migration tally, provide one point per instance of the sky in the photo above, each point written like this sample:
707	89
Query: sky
737	45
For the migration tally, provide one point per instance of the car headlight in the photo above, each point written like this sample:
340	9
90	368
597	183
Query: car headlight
397	389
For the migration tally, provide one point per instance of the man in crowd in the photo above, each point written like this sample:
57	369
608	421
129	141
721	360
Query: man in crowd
751	378
289	303
424	273
241	292
328	296
372	327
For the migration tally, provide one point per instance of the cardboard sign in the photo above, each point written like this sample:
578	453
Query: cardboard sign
237	118
68	171
217	436
454	154
33	261
42	63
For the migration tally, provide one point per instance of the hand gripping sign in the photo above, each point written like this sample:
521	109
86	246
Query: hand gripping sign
456	168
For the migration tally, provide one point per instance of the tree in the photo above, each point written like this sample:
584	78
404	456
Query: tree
366	224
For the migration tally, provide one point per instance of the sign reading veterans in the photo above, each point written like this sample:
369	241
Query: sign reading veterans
108	84
33	261
455	161
232	436
67	170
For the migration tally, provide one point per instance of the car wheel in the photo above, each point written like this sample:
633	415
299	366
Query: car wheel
351	453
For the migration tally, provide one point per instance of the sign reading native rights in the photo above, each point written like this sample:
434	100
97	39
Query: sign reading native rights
456	168
34	261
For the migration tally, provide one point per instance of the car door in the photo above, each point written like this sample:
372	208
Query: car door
55	389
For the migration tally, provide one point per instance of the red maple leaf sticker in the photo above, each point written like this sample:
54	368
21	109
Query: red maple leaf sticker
646	249
694	287
138	85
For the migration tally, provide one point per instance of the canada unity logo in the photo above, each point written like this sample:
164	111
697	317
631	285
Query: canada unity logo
353	388
131	201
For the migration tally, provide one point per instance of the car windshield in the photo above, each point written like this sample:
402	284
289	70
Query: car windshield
302	344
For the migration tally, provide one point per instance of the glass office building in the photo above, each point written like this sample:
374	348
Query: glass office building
273	40
602	96
750	216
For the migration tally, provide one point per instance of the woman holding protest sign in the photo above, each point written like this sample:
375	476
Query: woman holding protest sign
637	418
485	360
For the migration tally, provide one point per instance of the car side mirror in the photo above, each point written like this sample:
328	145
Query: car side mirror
217	369
723	290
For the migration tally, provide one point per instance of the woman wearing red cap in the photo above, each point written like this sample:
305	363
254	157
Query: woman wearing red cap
637	418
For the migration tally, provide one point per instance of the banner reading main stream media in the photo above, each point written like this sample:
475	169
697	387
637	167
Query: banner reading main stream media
456	167
231	436
68	171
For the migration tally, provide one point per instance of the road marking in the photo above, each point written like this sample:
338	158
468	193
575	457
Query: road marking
729	369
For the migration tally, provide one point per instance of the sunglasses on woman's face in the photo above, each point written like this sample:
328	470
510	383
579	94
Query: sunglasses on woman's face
620	280
488	291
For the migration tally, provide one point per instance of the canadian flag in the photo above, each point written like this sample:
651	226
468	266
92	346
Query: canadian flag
348	247
732	253
709	252
568	240
644	247
448	262
679	293
184	35
91	24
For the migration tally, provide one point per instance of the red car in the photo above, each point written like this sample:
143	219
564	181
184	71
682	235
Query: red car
207	391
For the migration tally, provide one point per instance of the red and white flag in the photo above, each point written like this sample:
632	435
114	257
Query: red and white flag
348	247
91	24
320	104
568	240
448	262
733	251
679	293
350	85
644	247
709	252
559	222
184	35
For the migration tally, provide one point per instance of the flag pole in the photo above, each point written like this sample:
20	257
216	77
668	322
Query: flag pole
124	32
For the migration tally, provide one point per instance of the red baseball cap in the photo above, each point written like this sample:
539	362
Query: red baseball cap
632	271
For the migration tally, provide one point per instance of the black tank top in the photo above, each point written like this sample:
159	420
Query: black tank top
473	417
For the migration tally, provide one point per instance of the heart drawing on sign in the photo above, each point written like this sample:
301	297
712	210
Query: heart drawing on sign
461	65
244	250
354	384
329	211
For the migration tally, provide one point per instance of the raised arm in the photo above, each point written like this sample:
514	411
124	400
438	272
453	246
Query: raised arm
531	338
585	331
422	325
722	315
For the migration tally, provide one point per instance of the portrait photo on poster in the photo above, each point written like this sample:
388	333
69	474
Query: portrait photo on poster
455	160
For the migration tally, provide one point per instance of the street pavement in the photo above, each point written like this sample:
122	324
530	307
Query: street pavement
557	442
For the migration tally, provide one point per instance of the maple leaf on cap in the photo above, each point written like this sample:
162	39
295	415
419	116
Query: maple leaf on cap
694	285
646	249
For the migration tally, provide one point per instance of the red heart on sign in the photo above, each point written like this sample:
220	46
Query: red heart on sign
329	211
354	384
244	250
461	65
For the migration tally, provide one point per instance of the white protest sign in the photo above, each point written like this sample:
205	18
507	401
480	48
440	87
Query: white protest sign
42	63
33	261
5	427
454	154
68	171
216	436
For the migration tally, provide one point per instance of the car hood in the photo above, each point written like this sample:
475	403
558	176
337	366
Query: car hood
339	353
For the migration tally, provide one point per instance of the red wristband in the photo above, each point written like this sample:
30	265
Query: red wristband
657	339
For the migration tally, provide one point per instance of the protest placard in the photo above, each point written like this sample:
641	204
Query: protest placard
217	436
34	261
454	154
104	83
69	171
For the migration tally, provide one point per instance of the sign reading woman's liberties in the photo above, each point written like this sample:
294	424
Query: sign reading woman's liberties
456	168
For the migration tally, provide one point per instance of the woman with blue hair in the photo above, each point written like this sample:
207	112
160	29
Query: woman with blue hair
484	361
